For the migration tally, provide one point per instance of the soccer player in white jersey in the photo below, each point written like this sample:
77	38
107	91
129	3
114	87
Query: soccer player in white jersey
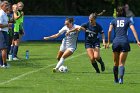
69	42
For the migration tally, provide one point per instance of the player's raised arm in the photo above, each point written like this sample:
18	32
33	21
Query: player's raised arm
73	30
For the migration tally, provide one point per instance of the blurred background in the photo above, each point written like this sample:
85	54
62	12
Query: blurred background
46	17
75	7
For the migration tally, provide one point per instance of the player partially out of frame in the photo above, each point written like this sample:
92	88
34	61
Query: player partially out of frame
92	43
120	44
69	43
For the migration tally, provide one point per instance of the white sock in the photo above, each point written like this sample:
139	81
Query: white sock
60	63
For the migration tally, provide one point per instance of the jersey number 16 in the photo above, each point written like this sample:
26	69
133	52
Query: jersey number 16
120	23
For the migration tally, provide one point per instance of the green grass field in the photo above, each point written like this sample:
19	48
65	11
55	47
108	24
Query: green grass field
35	75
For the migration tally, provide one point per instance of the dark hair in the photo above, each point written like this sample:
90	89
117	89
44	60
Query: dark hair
121	11
94	15
71	20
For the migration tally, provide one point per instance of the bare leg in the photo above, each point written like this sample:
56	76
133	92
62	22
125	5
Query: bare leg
98	58
59	55
122	59
4	56
66	54
90	52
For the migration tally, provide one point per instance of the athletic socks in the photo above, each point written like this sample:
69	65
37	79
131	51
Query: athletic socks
1	62
102	64
95	65
115	71
60	63
15	51
121	74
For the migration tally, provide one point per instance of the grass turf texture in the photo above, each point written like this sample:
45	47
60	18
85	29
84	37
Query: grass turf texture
35	75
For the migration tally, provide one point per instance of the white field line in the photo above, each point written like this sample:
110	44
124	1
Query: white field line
34	71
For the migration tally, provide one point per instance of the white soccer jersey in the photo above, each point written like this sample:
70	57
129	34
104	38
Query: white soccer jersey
3	20
69	41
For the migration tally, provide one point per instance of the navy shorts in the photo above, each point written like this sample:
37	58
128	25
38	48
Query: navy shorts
16	36
3	40
92	44
121	47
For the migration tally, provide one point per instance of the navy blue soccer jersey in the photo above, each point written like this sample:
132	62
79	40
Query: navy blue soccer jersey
92	31
120	26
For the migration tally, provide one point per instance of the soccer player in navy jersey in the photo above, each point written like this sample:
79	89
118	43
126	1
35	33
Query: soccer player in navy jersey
120	44
92	43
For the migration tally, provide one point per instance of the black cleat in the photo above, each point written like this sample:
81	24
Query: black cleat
98	71
103	66
116	81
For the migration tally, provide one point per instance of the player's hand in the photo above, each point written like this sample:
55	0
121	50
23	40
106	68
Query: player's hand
46	38
138	44
107	46
67	33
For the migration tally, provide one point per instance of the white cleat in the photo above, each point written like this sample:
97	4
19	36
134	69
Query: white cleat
3	66
15	58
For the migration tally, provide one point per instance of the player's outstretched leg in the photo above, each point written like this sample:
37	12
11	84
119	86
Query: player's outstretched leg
101	63
95	65
60	63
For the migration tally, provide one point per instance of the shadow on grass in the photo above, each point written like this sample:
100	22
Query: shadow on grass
32	62
13	87
86	72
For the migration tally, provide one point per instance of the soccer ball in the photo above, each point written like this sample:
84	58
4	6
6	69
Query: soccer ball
63	69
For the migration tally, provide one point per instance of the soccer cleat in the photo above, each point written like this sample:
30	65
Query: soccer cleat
103	66
116	81
4	66
15	58
98	71
54	70
120	81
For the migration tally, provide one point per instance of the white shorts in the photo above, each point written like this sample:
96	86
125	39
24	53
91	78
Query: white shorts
63	48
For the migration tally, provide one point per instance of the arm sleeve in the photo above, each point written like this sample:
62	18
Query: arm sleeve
77	26
84	25
1	19
112	22
130	22
61	31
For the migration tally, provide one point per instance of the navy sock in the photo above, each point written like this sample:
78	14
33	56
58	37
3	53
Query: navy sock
15	51
121	71
100	60
115	71
102	64
8	50
95	65
1	62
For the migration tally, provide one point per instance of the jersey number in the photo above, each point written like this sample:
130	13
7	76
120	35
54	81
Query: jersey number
90	35
120	23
